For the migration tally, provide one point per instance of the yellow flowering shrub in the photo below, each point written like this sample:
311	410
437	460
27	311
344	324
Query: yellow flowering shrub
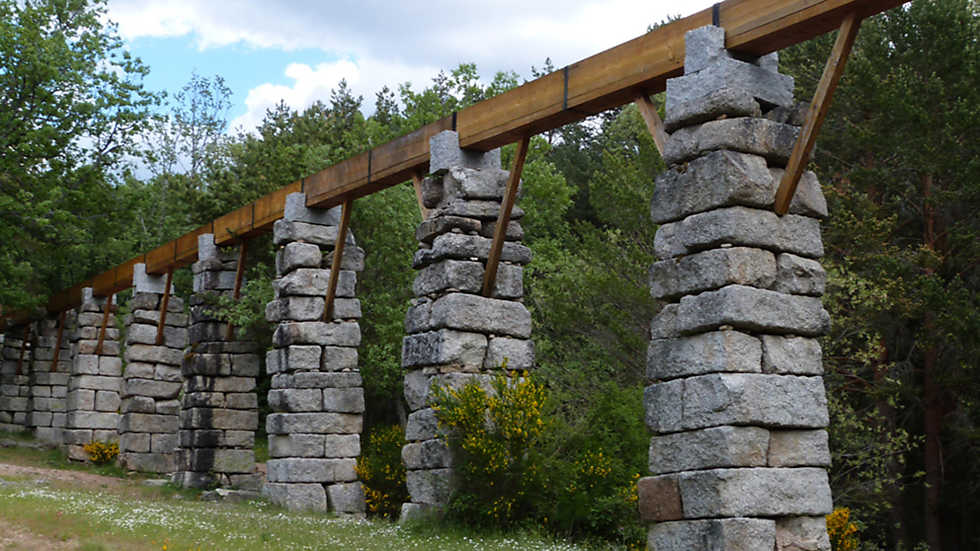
381	471
842	532
101	453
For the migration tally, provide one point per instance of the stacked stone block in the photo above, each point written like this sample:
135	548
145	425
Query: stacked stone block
455	335
49	380
15	389
219	410
737	401
317	398
151	379
95	381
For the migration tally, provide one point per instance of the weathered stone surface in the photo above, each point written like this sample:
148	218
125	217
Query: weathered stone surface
476	313
740	226
416	386
218	418
343	400
139	404
422	425
234	461
95	382
428	454
315	423
444	347
106	400
664	323
765	492
799	276
164	443
432	486
471	183
145	422
343	333
728	534
311	470
721	102
152	388
346	498
445	153
92	420
313	282
686	94
514	231
659	498
752	309
296	400
435	226
703	47
712	269
149	462
298	255
154	354
134	442
808	199
517	353
457	275
802	534
799	448
77	399
468	247
297	497
709	448
793	355
296	445
295	309
338	358
286	231
719	179
736	399
220	384
295	209
317	380
755	136
714	352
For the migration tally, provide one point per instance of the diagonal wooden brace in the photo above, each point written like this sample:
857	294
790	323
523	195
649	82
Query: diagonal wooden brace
239	275
338	256
23	347
163	307
417	184
654	124
105	323
57	342
832	72
503	219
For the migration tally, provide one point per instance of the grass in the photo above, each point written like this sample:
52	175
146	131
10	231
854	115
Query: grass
130	516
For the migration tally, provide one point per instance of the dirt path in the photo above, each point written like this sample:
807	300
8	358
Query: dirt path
77	479
17	537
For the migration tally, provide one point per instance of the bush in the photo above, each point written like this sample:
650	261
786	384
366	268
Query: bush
381	471
842	532
101	453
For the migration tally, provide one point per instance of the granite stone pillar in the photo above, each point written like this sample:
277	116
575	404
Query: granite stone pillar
15	389
96	379
49	379
219	410
151	379
455	335
317	397
736	400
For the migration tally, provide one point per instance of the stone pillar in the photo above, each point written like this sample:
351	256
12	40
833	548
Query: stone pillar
95	380
15	387
219	412
317	396
454	334
152	380
49	380
736	400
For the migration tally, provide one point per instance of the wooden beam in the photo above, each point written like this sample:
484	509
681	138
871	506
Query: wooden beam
815	115
163	307
652	118
503	219
417	184
105	323
239	275
23	347
57	341
605	80
338	256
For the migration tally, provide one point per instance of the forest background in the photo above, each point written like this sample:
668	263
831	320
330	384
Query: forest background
898	158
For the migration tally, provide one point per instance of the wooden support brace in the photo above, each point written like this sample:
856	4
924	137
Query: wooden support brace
105	322
338	256
500	231
239	274
57	342
815	115
23	347
417	184
652	118
163	307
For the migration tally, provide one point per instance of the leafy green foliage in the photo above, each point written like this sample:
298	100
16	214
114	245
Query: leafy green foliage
381	471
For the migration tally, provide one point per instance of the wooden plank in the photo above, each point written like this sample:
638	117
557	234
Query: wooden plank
239	274
338	256
124	274
57	340
816	113
160	260
269	208
105	322
163	307
103	284
234	226
656	126
186	245
417	184
23	348
500	231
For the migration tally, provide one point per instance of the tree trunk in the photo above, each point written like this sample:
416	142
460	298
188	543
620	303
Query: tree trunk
898	534
932	394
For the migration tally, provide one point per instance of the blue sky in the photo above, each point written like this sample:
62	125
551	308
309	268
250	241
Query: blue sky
297	51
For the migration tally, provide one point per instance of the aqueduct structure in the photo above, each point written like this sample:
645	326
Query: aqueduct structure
735	401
